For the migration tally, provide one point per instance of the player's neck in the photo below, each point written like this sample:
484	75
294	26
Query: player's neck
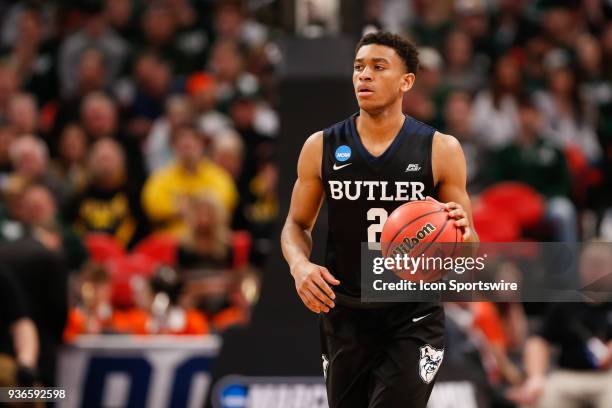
380	125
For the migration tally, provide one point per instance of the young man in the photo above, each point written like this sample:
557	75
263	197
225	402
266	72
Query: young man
374	355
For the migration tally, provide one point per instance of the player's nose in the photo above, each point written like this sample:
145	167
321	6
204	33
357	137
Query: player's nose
365	74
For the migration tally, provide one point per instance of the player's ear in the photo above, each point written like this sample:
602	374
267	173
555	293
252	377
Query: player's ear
407	81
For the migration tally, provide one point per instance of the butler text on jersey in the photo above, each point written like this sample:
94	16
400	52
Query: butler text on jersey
377	190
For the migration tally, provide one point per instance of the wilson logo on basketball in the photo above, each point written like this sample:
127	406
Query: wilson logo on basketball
409	243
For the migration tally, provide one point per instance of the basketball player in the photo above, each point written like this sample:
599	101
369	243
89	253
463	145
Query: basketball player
375	355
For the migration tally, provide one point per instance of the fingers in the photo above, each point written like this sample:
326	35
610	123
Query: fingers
324	302
456	212
328	276
311	282
453	207
318	280
467	234
314	298
308	304
462	222
460	215
309	300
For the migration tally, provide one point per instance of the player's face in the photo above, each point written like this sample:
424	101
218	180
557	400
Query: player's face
379	77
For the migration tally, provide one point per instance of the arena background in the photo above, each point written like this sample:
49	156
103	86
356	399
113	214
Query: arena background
252	80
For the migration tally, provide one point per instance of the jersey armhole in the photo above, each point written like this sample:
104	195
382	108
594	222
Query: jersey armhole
324	134
429	156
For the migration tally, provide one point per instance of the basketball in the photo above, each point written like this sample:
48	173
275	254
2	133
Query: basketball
413	227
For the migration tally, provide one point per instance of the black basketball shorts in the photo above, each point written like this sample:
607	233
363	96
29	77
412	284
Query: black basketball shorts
382	357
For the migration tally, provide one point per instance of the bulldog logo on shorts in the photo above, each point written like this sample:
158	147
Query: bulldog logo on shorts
431	359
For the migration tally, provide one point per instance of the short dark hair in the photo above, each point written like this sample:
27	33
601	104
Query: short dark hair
181	130
406	50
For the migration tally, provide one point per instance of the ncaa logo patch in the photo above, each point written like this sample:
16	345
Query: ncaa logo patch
343	153
429	363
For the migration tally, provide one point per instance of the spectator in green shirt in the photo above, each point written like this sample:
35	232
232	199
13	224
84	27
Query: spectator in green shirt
533	160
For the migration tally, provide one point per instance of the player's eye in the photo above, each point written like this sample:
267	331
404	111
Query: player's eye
379	67
358	67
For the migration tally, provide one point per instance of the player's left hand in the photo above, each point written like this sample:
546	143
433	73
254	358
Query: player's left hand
456	212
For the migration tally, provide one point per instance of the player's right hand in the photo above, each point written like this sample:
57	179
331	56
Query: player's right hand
312	284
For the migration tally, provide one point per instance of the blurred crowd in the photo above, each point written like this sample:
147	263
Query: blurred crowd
526	87
137	171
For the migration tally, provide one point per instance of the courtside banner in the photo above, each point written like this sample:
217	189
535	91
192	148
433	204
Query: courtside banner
236	391
137	371
309	392
411	271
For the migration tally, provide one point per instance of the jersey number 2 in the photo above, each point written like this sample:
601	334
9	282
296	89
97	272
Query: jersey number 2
380	215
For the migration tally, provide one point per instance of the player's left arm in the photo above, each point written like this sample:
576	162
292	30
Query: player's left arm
450	175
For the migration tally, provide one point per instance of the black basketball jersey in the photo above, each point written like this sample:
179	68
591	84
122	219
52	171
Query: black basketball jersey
362	190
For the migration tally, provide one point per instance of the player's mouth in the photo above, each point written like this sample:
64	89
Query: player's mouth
364	91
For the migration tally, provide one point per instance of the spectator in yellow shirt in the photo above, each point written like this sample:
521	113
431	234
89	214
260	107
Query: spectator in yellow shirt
167	191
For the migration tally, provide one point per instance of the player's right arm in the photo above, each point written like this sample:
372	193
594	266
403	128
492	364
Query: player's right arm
312	281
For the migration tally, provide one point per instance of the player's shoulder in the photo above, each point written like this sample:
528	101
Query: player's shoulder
314	142
447	156
445	144
311	155
418	127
